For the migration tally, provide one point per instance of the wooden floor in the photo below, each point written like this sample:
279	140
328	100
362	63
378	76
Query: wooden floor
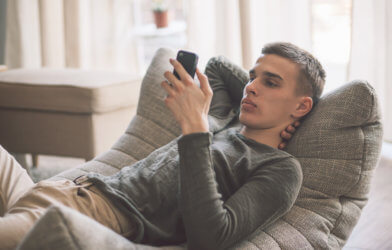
374	229
51	165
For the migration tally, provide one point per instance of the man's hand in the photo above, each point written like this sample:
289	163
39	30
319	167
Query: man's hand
288	133
188	103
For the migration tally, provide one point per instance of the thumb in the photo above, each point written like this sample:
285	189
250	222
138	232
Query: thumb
204	84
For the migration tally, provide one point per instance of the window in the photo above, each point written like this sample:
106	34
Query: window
331	38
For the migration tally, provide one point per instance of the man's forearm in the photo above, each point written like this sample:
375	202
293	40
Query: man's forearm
199	200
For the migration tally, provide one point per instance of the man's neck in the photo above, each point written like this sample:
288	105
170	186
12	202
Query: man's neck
270	137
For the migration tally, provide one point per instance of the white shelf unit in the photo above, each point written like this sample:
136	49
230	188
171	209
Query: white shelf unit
149	38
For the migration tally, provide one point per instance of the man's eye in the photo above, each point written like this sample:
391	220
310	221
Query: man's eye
271	84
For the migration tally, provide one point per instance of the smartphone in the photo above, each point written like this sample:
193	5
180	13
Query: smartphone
189	62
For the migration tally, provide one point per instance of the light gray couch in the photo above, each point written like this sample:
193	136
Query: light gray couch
338	146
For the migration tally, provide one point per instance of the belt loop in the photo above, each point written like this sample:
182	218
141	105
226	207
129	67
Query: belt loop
79	180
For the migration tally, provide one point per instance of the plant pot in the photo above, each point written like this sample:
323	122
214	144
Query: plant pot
161	19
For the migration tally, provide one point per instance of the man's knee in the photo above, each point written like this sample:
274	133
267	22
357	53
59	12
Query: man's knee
13	227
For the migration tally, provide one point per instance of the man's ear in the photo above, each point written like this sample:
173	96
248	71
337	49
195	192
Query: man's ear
304	106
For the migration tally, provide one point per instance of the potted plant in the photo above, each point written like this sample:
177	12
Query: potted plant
160	10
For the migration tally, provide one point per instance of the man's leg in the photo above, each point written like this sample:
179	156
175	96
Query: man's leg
20	218
14	227
14	181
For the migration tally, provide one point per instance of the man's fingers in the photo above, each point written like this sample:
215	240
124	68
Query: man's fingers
204	84
184	76
282	145
290	129
288	133
285	135
169	89
173	80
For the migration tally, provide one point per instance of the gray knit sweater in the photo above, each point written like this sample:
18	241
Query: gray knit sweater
207	190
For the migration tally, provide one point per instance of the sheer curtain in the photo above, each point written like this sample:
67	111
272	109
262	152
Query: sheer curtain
93	34
371	52
83	34
238	29
214	28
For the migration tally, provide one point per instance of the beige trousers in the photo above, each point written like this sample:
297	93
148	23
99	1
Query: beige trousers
22	202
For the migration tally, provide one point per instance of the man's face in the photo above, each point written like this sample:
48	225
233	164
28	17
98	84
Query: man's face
270	96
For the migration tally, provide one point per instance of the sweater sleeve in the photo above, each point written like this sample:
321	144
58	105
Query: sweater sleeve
227	81
210	222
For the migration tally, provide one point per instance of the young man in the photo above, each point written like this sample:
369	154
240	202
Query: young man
208	190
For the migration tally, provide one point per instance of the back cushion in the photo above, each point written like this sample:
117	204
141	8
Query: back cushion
153	125
338	146
338	143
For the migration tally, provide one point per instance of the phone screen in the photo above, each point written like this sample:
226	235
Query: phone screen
189	62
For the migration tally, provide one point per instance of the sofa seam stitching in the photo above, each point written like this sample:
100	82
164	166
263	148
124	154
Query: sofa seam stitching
296	229
156	123
254	244
142	139
280	247
314	213
103	162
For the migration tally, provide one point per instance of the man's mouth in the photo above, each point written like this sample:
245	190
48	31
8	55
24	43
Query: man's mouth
249	102
248	105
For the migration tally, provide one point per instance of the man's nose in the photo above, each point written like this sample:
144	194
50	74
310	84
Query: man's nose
250	88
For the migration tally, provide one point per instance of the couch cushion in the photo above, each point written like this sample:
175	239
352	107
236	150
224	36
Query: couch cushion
64	228
69	90
338	146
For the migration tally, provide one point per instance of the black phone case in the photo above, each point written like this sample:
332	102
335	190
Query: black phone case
189	62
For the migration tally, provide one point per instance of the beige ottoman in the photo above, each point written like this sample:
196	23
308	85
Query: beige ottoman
65	112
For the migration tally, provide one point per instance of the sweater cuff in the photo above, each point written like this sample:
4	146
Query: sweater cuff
195	140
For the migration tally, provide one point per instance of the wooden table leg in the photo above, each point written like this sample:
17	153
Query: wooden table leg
35	160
